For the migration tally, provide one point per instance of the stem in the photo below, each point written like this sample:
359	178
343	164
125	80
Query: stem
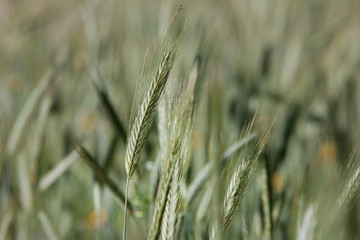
125	213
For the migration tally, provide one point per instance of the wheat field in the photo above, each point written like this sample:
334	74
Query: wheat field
234	119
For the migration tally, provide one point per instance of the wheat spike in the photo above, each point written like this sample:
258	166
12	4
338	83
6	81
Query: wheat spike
349	191
169	173
236	190
164	58
146	115
161	199
180	118
171	215
240	180
203	175
167	52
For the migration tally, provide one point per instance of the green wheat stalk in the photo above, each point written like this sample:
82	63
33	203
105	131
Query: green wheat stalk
178	124
147	111
146	115
240	180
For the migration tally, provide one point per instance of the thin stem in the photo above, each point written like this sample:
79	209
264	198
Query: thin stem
125	212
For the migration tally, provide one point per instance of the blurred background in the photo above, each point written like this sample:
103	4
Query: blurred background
295	62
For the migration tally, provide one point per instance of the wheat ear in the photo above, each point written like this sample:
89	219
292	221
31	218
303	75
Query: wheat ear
173	157
241	178
203	175
143	121
237	189
161	199
146	115
171	215
349	192
167	52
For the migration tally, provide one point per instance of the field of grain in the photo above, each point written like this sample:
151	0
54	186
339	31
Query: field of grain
234	119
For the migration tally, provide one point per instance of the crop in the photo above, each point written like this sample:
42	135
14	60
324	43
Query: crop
212	120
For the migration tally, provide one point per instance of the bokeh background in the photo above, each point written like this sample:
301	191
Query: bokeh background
295	62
